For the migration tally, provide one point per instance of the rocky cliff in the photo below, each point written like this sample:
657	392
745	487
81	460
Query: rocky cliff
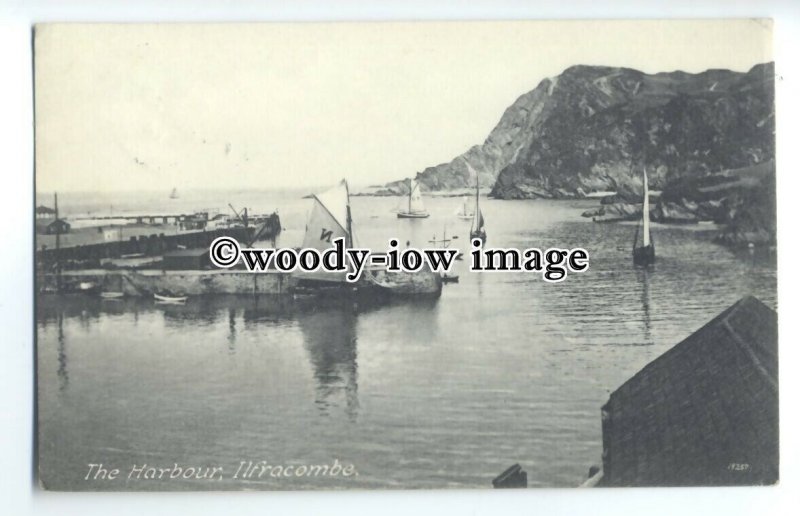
593	128
741	201
515	132
707	140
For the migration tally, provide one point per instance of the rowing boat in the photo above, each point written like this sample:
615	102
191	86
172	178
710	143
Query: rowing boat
170	299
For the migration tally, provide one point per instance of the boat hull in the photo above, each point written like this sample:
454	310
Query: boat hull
170	299
402	215
423	283
644	256
478	235
449	278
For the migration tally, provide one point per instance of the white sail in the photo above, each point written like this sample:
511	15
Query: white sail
464	210
329	219
415	204
646	213
477	222
477	217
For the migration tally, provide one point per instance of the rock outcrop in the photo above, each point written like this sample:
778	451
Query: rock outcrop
592	129
741	201
609	123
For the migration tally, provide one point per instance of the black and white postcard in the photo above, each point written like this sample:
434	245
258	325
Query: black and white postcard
405	255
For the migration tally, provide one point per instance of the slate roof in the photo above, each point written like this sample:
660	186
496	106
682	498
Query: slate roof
43	225
703	413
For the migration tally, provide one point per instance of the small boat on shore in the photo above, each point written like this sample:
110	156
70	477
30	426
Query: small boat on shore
645	254
449	277
112	295
415	208
160	298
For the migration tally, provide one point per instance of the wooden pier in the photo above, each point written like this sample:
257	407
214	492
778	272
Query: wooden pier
143	219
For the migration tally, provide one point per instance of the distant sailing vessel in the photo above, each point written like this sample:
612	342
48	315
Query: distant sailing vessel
645	254
415	208
477	230
174	194
464	212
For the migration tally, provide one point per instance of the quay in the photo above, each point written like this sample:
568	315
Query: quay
87	247
146	282
151	243
171	218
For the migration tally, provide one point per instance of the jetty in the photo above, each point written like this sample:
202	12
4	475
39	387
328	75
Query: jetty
152	264
170	218
88	247
146	282
151	243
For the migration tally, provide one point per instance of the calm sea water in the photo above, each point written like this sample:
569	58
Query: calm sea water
503	368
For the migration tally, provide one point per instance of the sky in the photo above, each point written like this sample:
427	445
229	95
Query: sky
158	106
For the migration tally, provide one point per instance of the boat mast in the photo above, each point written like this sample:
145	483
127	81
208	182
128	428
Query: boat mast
410	193
476	217
58	244
349	228
477	194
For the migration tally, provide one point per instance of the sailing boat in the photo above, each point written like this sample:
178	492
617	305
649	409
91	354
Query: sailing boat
476	229
174	194
464	212
329	220
415	209
645	254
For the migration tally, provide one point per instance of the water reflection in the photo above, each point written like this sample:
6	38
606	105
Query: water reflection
260	309
200	311
231	330
643	278
436	380
328	327
329	335
63	376
416	235
86	309
478	279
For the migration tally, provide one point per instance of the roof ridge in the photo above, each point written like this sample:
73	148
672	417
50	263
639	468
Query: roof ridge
748	351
